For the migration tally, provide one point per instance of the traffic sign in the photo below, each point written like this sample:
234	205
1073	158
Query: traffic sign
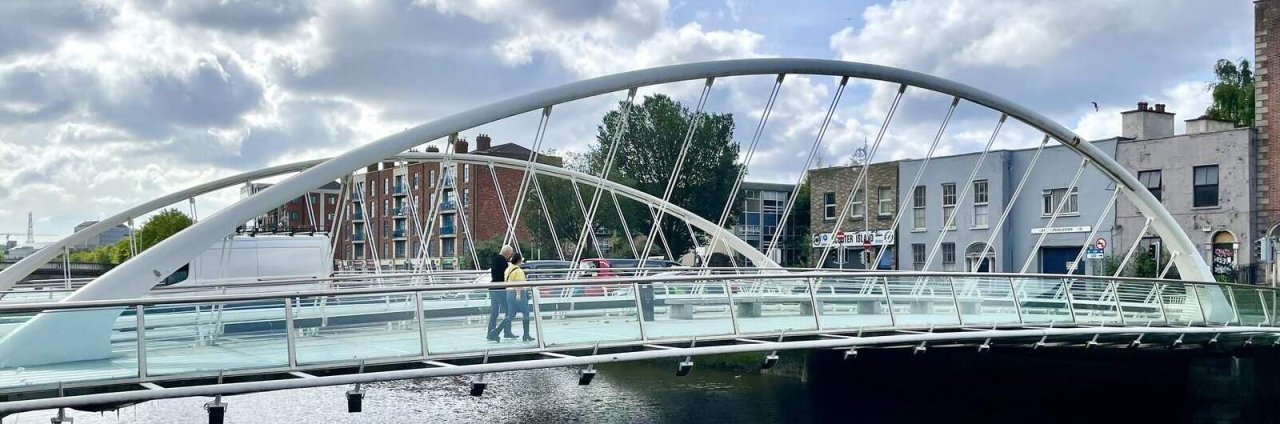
839	236
1100	243
1093	253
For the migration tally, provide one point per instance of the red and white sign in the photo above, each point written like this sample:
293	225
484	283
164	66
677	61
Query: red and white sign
1100	243
839	236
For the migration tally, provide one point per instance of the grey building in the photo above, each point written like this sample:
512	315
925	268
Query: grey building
978	207
1205	180
109	237
763	205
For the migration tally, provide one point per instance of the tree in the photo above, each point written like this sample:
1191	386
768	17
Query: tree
157	228
800	215
1232	93
485	251
648	152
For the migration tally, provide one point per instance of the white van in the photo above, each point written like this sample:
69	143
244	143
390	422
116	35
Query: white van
254	262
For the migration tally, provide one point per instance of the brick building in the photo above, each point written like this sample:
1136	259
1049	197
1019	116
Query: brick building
393	202
298	214
869	218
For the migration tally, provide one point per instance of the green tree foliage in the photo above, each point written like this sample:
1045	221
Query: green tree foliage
648	152
485	251
1143	264
562	205
1232	93
157	228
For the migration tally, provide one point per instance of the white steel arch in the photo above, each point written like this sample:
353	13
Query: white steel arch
145	270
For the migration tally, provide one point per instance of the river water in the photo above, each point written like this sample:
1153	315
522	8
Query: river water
878	386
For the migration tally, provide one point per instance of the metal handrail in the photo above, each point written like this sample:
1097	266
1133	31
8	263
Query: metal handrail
96	304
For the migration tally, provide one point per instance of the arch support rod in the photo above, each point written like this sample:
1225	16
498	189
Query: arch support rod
675	171
964	192
1066	197
510	237
746	162
1136	240
933	147
862	176
1105	210
804	171
995	231
624	115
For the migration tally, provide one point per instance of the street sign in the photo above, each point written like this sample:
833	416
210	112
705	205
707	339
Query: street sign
1093	253
839	236
1100	243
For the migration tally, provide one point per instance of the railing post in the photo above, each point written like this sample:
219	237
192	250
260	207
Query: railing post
817	307
141	330
733	312
635	289
537	317
1071	307
1017	305
1160	300
1263	301
1115	290
289	336
955	300
888	300
421	315
1235	308
1203	315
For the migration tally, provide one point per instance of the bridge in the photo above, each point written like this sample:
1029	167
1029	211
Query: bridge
118	339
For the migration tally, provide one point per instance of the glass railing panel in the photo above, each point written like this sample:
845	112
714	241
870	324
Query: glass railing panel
1216	302
120	362
922	301
684	309
585	315
1140	302
1181	304
852	302
1249	306
460	320
213	337
1044	300
1094	301
1270	300
354	328
986	300
772	304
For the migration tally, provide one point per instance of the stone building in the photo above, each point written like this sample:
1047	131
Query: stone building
869	219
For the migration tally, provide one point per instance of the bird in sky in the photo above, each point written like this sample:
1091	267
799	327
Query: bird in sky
1095	106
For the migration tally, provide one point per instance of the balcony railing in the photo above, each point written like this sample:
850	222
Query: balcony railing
448	206
358	216
399	190
397	233
357	237
398	212
447	230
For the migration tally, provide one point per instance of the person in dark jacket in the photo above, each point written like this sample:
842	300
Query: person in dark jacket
498	296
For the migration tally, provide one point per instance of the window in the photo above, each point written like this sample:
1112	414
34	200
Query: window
829	205
1206	186
917	254
466	196
948	204
432	180
294	216
386	206
980	203
884	201
1053	197
466	172
416	177
330	218
917	207
386	187
333	200
1152	181
859	205
948	253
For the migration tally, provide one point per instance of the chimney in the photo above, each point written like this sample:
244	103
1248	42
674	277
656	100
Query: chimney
433	149
1205	124
388	165
1144	123
483	142
460	146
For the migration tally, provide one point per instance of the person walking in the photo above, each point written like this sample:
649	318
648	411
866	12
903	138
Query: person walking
498	296
517	298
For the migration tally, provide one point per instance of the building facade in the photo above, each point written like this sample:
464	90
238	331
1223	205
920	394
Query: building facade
976	240
316	211
870	216
393	204
1204	178
109	237
762	208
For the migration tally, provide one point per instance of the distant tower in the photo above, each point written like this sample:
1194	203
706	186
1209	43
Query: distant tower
31	231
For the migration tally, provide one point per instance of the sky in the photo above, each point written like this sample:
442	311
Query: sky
104	105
